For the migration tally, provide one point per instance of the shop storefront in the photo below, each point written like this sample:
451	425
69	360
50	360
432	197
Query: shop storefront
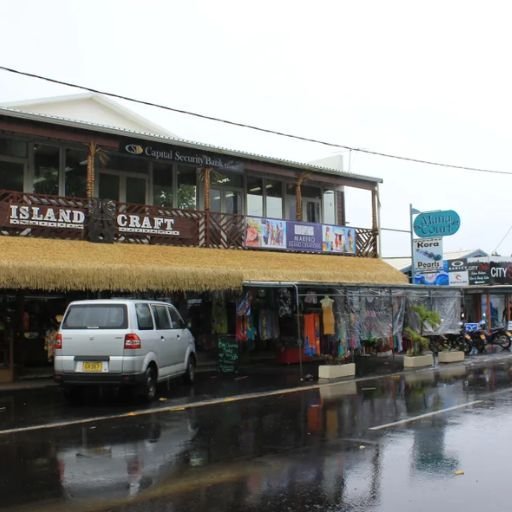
219	292
490	303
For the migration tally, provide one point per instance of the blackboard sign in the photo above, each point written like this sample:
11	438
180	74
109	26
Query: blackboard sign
228	354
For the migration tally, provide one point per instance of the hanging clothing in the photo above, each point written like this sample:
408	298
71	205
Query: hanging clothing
268	327
244	306
311	297
285	302
241	328
311	334
327	315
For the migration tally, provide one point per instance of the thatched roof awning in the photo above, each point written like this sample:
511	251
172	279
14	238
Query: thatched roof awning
42	264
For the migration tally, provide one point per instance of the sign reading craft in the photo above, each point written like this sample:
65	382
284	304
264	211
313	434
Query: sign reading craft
436	224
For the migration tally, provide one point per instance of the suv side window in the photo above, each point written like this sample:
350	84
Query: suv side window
177	321
144	317
162	319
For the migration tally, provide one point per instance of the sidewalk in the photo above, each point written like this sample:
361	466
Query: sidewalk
265	373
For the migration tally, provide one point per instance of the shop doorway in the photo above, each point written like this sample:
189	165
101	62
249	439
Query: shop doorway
312	209
123	187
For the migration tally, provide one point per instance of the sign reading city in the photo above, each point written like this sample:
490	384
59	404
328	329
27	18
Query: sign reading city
436	224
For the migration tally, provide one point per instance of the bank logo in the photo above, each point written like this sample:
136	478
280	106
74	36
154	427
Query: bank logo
134	149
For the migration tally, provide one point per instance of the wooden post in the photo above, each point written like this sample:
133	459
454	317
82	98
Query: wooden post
298	194
91	155
206	191
298	200
207	179
375	222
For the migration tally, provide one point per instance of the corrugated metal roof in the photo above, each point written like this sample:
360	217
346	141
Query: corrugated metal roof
113	130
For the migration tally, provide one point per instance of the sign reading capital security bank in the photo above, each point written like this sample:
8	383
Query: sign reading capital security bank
436	224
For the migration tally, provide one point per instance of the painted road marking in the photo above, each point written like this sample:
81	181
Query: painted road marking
156	410
238	398
426	415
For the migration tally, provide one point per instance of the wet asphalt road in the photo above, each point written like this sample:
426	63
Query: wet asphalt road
394	443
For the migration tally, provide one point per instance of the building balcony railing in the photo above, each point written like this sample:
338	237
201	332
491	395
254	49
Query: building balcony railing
38	215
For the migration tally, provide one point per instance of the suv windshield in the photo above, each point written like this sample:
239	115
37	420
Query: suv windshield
96	316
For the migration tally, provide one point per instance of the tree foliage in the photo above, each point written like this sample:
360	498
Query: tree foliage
427	319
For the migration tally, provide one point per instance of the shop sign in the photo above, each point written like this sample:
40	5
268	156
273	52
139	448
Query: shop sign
478	271
458	278
432	278
265	233
197	158
130	223
436	223
500	272
44	216
304	237
459	265
428	254
75	218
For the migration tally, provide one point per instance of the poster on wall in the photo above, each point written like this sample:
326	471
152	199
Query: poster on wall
338	239
265	233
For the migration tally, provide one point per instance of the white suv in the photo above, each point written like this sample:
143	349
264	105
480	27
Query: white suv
123	342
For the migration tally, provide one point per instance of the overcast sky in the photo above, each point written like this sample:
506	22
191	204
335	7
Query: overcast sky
430	80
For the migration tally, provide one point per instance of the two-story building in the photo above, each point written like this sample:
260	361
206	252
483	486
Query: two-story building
247	246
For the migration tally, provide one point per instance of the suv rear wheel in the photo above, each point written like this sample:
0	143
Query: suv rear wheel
148	391
190	373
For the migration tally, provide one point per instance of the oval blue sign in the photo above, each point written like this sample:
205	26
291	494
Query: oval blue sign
433	224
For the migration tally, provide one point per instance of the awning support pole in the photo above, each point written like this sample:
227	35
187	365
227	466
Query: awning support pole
299	338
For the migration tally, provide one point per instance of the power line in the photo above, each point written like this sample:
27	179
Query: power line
253	127
501	241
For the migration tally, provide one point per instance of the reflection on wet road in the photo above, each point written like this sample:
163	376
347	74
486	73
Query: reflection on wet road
313	449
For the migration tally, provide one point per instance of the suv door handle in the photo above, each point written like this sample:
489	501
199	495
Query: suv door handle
162	338
178	336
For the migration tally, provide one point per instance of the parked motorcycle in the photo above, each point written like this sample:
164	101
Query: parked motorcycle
478	336
460	341
481	338
501	337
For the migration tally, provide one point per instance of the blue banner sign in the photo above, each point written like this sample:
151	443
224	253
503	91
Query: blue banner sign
263	233
436	224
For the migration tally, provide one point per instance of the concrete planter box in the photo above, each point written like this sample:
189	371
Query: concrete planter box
455	356
418	361
336	371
